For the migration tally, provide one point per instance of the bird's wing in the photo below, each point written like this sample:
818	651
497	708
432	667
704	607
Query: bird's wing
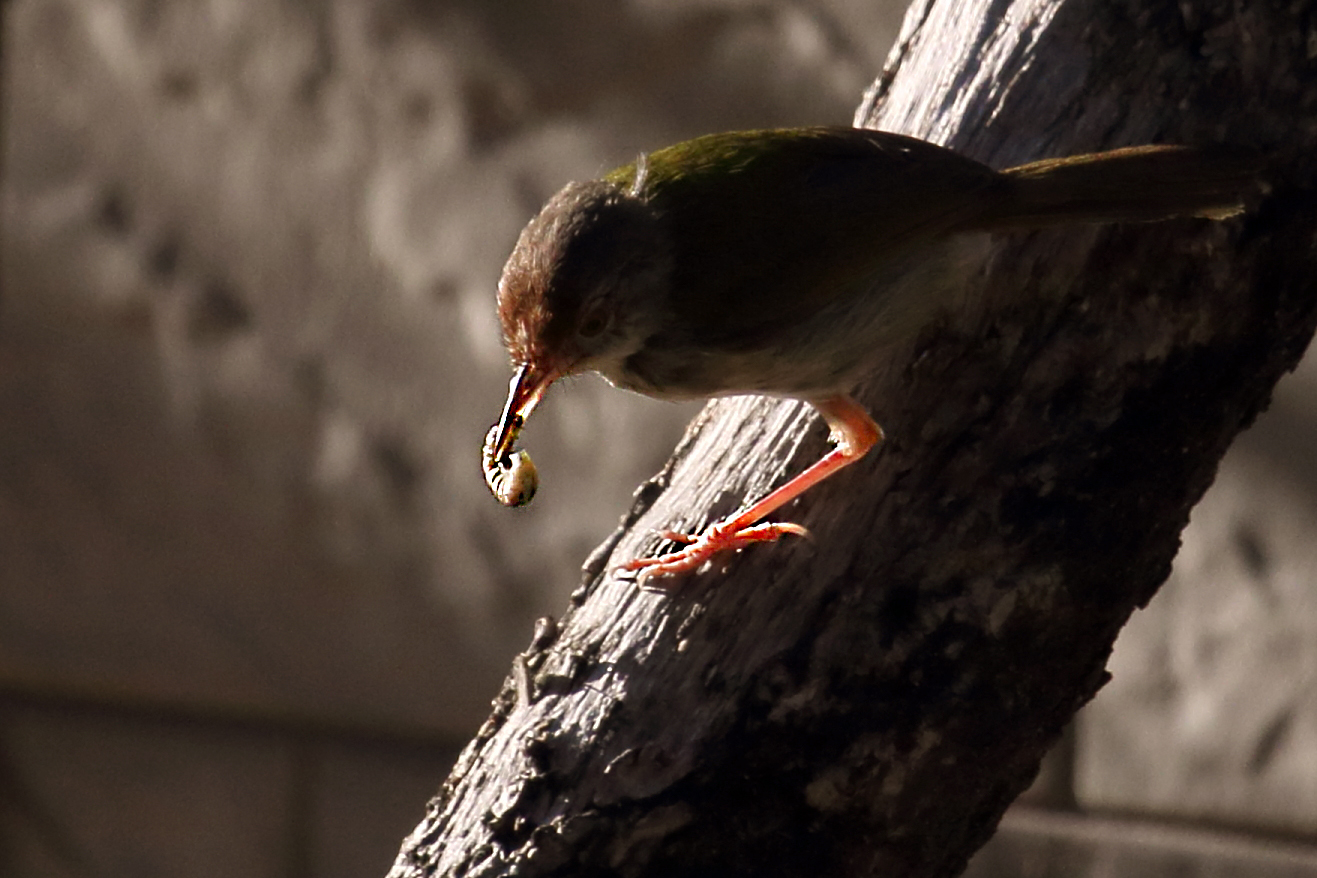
806	210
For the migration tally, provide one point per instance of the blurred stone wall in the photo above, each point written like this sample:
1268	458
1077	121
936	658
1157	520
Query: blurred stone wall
1211	713
253	593
248	354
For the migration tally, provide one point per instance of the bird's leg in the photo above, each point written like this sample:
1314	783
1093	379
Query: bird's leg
853	433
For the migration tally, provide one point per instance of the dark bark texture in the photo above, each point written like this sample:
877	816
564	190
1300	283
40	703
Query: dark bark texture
869	701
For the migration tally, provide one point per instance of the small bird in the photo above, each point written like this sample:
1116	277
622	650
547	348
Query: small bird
787	262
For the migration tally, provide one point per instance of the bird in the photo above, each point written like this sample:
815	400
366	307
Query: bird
787	262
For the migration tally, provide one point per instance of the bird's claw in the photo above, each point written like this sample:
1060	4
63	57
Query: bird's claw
676	536
698	549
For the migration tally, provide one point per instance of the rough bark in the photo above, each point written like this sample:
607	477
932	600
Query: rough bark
870	701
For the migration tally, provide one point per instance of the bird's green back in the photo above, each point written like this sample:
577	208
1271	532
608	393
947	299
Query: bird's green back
769	224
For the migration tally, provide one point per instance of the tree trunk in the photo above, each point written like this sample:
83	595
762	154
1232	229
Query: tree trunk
869	701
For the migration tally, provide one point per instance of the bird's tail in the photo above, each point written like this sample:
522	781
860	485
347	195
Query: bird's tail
1138	184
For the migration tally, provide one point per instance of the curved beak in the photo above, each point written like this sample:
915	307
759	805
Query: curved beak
524	393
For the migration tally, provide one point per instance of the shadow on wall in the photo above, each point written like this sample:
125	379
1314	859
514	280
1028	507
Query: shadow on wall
247	357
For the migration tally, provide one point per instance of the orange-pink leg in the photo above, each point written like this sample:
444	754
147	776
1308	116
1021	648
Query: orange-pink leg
853	433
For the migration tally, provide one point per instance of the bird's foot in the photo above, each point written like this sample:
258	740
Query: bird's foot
721	537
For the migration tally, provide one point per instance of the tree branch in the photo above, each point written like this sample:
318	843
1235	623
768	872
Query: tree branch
870	701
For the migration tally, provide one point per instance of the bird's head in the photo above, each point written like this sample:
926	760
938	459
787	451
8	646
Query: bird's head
580	291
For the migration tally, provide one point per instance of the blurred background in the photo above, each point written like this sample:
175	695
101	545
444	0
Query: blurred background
254	596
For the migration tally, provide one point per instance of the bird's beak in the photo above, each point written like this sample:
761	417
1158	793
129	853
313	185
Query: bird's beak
524	393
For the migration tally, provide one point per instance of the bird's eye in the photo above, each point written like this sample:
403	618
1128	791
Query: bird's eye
592	324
